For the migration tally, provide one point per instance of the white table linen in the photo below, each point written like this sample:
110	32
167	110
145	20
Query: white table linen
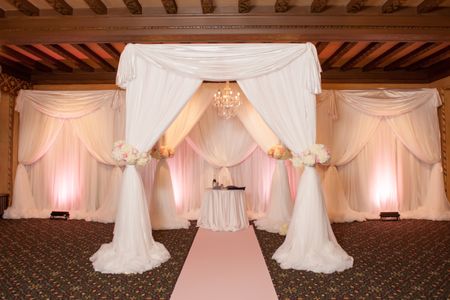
223	210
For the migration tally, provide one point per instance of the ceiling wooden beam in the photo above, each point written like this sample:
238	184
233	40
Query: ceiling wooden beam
354	6
392	51
320	46
369	49
25	7
133	6
281	6
170	6
439	70
97	6
404	59
391	6
244	6
95	57
69	56
110	50
31	63
207	6
2	13
47	58
344	48
430	59
223	28
318	6
428	6
61	7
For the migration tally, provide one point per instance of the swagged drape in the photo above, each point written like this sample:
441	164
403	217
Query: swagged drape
69	164
386	148
280	81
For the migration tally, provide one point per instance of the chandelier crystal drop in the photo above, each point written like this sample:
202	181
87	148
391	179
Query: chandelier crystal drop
227	102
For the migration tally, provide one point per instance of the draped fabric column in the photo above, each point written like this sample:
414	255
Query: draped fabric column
58	116
150	108
310	243
163	212
290	69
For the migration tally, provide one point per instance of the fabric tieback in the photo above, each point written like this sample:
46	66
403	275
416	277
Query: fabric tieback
315	154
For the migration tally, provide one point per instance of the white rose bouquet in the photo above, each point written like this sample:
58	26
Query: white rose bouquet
315	154
125	153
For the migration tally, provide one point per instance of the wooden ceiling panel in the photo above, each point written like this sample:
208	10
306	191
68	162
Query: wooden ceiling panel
329	50
376	53
403	52
351	53
437	47
20	50
48	51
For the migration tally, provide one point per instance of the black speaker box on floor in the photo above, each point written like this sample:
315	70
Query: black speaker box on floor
389	216
59	215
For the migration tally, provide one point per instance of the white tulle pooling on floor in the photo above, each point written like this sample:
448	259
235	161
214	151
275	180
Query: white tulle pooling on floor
310	243
280	209
163	213
132	249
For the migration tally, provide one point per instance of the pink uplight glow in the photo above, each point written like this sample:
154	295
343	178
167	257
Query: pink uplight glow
384	188
66	190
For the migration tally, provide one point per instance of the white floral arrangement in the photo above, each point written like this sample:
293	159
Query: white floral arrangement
279	152
283	229
315	154
162	152
123	152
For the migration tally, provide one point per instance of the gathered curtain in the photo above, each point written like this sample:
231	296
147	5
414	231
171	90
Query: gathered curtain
54	143
380	139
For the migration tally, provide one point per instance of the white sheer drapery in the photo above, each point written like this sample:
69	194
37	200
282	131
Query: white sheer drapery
392	137
163	213
280	203
55	145
292	68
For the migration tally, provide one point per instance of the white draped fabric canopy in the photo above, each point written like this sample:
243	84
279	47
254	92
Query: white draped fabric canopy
160	79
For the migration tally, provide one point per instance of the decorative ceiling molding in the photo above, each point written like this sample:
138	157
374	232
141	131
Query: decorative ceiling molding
25	7
207	6
226	28
281	6
170	6
134	7
318	6
244	6
355	6
391	6
61	7
97	6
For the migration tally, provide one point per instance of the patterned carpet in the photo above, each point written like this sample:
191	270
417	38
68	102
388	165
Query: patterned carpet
409	259
49	259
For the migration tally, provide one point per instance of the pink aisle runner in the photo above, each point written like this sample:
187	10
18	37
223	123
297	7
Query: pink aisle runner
224	265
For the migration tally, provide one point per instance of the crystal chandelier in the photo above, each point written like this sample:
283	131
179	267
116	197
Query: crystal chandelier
227	102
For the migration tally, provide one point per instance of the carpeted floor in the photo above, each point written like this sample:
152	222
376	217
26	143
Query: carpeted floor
408	259
49	259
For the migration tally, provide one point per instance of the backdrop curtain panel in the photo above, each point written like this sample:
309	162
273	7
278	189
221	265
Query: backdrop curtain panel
63	164
150	73
386	147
